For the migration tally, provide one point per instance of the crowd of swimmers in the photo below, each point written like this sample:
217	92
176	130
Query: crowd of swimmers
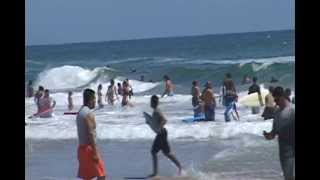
278	106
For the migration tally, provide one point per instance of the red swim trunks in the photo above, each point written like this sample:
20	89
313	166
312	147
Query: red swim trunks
88	168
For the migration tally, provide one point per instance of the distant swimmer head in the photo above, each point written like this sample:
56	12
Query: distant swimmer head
195	83
70	93
154	101
271	88
254	79
89	98
166	77
112	82
99	87
41	88
228	75
208	84
46	93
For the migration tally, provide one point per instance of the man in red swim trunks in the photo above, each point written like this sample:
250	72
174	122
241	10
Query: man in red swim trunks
91	164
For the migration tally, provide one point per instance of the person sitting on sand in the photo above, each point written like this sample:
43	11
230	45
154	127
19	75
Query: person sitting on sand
70	101
209	102
270	108
100	103
91	163
46	105
111	94
161	140
168	86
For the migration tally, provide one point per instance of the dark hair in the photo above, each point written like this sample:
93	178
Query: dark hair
166	77
88	94
194	82
46	91
228	75
254	79
112	81
41	88
119	84
288	92
70	92
278	92
271	88
155	100
100	86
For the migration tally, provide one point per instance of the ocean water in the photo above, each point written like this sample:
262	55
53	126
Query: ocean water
225	147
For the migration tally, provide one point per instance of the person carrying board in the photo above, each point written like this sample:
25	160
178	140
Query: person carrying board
161	140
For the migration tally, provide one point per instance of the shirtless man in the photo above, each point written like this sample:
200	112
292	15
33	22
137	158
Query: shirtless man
46	105
168	86
91	164
161	140
270	107
209	102
284	127
196	101
111	94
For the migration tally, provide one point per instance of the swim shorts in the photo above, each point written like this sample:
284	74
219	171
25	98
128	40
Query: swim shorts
88	168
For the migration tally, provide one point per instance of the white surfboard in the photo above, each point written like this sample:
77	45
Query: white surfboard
252	100
154	125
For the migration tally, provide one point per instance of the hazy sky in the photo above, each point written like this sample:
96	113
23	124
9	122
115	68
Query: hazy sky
63	21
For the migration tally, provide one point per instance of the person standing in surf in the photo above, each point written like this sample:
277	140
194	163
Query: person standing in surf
91	164
120	89
70	101
111	94
229	94
130	88
168	86
269	109
46	105
284	127
38	95
209	102
161	140
254	88
30	89
100	103
125	94
196	101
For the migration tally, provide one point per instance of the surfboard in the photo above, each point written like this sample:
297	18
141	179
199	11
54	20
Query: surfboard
252	100
194	119
153	125
163	178
70	113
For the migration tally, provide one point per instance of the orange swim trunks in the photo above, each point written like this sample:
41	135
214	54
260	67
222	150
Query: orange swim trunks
88	168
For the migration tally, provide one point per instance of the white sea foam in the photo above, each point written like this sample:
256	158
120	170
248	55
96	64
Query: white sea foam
128	123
